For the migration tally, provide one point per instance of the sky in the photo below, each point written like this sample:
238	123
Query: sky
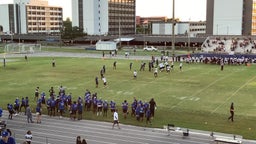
185	10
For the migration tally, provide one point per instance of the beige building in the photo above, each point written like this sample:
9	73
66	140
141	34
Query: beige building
254	17
42	18
30	16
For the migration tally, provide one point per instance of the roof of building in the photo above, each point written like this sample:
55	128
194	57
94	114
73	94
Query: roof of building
123	39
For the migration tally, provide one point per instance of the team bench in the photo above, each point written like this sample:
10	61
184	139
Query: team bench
171	127
227	139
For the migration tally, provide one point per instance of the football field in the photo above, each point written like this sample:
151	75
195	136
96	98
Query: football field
198	97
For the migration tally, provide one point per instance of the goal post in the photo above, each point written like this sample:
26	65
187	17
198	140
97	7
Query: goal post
22	48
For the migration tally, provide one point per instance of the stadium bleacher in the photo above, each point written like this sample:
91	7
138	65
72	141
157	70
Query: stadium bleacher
229	45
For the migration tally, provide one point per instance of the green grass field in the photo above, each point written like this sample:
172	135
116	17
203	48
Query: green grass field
199	97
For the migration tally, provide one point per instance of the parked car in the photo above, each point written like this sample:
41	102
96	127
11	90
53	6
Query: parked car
150	48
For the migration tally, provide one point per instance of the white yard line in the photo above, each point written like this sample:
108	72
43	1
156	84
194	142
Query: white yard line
233	94
201	90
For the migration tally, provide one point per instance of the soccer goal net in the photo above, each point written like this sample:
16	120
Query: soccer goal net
22	48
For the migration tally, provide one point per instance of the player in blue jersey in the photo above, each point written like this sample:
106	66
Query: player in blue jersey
105	108
6	138
61	107
80	110
125	108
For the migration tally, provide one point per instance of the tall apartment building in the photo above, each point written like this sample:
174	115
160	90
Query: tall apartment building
30	16
229	17
102	17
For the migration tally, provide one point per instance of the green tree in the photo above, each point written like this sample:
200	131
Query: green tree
66	32
77	32
69	32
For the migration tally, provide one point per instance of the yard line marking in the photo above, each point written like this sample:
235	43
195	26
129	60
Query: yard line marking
233	94
201	90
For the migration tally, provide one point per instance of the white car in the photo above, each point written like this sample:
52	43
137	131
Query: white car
149	48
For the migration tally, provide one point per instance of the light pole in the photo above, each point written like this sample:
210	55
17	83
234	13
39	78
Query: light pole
38	24
189	35
120	41
173	26
144	35
19	21
60	35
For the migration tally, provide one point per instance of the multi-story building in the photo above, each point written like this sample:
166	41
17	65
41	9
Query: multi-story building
7	18
197	27
229	17
191	28
30	16
102	17
146	20
91	15
42	18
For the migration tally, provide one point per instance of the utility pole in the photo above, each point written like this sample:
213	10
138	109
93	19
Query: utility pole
173	26
19	13
60	35
189	35
144	35
120	41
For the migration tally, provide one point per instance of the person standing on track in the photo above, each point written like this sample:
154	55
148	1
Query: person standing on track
28	137
38	114
78	140
29	114
116	121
